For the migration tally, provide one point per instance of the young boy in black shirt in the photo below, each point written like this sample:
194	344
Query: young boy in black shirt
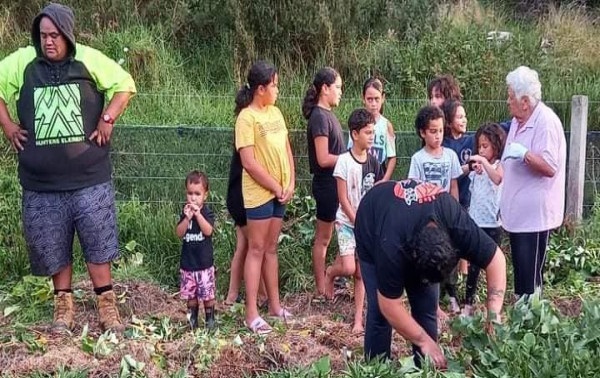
197	269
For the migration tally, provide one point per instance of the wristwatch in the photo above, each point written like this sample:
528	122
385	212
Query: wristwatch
108	118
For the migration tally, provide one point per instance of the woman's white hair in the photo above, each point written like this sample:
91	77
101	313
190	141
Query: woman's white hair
525	82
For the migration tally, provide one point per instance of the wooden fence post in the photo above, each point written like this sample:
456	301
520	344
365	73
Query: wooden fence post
577	155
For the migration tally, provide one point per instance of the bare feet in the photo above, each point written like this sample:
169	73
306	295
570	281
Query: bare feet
328	284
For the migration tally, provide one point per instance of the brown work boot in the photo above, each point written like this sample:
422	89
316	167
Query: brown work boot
109	314
63	312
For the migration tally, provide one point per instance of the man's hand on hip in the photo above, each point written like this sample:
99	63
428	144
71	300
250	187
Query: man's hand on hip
16	135
102	133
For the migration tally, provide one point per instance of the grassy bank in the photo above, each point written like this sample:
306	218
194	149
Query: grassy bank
188	69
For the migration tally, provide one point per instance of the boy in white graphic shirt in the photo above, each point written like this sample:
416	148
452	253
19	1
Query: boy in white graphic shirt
356	172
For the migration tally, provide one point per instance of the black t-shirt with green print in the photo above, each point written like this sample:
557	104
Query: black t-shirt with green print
60	105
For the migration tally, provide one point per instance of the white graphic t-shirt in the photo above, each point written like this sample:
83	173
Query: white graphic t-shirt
359	177
440	170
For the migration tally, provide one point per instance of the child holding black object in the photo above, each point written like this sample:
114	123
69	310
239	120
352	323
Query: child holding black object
197	269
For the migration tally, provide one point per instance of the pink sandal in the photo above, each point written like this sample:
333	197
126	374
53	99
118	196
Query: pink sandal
283	314
259	326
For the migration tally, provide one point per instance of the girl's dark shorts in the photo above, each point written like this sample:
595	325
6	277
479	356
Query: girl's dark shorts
324	190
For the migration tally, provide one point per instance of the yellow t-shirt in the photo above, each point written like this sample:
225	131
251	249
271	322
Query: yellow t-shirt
267	133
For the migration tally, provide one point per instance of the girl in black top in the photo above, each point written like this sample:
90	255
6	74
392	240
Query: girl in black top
325	143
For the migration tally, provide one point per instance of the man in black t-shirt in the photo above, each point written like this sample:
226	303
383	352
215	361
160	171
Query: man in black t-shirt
68	97
410	235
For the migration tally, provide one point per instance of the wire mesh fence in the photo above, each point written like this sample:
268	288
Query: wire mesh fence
150	163
161	140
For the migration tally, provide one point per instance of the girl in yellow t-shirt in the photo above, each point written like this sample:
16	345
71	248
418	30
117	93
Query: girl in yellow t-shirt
261	137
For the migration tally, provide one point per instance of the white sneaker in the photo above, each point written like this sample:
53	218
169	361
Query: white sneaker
454	307
467	311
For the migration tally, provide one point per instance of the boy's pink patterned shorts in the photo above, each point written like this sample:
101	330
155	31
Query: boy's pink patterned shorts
198	284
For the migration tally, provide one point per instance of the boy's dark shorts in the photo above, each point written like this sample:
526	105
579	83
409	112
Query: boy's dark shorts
50	220
324	190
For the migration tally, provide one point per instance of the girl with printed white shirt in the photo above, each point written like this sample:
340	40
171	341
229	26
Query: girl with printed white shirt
486	183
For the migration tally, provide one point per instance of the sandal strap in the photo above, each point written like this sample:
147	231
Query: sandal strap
283	313
260	326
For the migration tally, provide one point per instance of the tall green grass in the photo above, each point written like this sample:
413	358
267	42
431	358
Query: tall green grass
13	254
188	73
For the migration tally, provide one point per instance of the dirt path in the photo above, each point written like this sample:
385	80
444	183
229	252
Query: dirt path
157	336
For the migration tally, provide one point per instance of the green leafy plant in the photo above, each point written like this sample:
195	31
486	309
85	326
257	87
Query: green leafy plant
62	372
534	341
572	257
102	347
318	369
153	329
29	300
35	341
130	368
206	349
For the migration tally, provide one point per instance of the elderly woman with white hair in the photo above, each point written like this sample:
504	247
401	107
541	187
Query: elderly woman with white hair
533	194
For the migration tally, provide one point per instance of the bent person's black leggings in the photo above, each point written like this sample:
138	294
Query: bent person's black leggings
473	276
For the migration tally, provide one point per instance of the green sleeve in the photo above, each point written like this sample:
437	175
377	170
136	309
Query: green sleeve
11	72
109	76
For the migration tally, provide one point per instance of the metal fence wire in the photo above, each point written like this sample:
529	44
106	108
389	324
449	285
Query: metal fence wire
151	162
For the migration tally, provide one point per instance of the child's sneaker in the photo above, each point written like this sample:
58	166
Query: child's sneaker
63	312
109	314
454	307
467	311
